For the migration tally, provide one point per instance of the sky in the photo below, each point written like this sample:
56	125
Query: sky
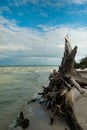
32	32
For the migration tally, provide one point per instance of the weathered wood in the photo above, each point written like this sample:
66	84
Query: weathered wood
81	80
71	119
67	64
76	85
58	96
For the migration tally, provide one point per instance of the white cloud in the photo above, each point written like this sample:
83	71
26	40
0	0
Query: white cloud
50	3
56	3
22	2
46	46
79	1
12	48
4	8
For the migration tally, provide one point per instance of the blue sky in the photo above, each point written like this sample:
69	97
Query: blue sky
32	31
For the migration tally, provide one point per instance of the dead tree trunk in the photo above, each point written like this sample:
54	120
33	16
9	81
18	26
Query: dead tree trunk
58	96
67	64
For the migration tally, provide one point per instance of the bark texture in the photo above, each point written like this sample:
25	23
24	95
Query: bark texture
58	96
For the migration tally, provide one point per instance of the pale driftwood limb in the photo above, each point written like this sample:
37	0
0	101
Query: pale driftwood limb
67	84
78	78
82	81
76	85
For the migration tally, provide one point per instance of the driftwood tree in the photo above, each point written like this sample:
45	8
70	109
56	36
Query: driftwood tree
67	64
58	96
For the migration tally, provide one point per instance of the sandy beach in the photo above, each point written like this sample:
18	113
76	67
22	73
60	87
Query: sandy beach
39	116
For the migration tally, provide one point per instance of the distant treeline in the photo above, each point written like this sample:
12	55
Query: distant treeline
82	64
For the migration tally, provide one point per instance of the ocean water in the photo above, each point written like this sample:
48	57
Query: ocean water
18	85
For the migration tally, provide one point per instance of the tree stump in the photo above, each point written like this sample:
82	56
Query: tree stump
58	96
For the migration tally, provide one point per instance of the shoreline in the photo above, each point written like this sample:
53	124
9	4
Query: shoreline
39	116
42	118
